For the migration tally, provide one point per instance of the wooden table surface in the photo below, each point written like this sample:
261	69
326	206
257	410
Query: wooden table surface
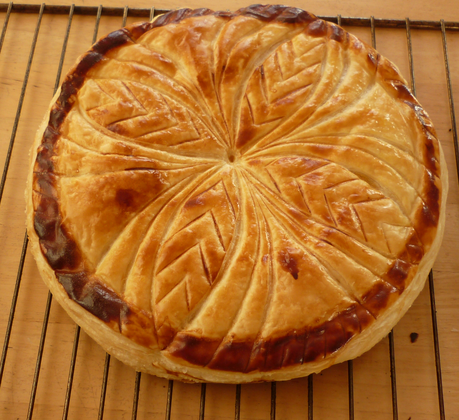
416	393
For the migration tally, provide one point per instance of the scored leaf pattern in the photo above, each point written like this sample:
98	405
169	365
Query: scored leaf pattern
279	87
245	180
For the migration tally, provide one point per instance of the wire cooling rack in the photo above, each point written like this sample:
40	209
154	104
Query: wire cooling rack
23	382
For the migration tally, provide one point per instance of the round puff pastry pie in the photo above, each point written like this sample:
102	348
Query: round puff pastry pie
235	197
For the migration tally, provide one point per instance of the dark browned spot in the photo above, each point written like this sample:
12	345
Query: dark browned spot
378	297
413	337
96	298
178	15
112	40
45	183
294	350
294	15
317	28
258	356
398	272
283	351
279	13
224	14
125	197
244	137
415	252
57	114
414	248
275	353
50	135
433	196
337	33
45	218
350	322
335	336
196	350
403	92
44	158
62	253
73	283
430	158
430	151
315	345
288	262
354	319
426	224
117	129
56	245
373	58
195	201
427	217
232	356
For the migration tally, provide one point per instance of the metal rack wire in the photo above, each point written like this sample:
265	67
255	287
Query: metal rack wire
372	23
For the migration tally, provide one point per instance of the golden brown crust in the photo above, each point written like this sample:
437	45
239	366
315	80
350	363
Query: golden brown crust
235	197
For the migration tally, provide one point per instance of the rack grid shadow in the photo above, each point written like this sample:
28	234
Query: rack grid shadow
50	369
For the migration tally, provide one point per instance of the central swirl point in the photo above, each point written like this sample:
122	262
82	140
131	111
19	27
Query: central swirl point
233	156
